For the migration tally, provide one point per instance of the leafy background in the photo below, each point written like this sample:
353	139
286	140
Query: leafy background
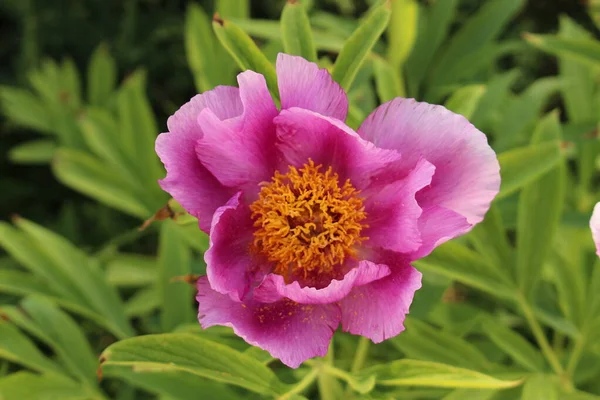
92	307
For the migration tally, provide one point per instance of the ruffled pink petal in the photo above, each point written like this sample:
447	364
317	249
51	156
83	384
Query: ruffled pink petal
273	288
230	267
438	225
377	310
187	180
288	330
467	174
393	211
595	226
241	151
305	135
302	84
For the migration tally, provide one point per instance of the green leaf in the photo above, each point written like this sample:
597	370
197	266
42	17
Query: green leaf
388	81
143	302
489	238
25	109
170	358
245	52
583	50
458	262
496	94
296	32
101	76
233	8
471	394
33	152
513	344
25	385
425	373
173	261
540	208
88	175
359	45
402	31
541	387
131	270
464	101
523	165
71	82
17	348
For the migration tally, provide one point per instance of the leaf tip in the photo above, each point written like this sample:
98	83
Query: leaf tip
217	18
530	37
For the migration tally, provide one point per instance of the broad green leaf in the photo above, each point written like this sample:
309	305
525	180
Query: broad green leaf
17	348
26	385
489	238
101	76
65	337
173	261
245	52
388	81
359	45
170	358
402	31
233	8
458	262
296	32
541	387
131	270
540	208
583	50
422	341
465	100
523	165
513	344
25	109
425	373
38	151
88	175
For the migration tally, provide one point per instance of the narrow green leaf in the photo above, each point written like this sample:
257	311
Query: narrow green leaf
464	101
131	270
25	109
497	91
583	50
388	81
521	166
143	302
540	208
17	348
245	52
233	8
513	344
425	373
173	261
541	387
101	76
359	45
33	152
296	32
71	82
170	358
471	394
402	31
26	385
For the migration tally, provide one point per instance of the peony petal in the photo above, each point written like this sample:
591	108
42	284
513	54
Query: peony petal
595	226
393	211
187	180
307	135
290	331
438	225
467	174
241	151
302	84
273	288
377	310
230	266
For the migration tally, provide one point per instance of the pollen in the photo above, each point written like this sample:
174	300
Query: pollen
306	222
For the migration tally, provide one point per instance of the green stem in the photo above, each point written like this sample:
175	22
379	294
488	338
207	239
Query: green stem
361	354
539	336
577	351
302	385
327	383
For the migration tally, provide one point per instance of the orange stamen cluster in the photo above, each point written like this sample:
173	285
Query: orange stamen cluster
306	222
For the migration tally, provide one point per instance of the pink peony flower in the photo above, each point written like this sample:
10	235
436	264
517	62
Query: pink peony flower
312	224
595	227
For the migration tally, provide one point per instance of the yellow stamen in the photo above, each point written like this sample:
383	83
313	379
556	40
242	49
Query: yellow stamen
306	222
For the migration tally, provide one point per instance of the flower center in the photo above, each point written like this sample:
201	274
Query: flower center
306	222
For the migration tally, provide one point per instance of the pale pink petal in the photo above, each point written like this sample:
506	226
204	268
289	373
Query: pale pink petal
242	151
273	288
305	135
230	266
288	330
467	172
377	310
393	212
438	225
595	226
302	84
187	180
